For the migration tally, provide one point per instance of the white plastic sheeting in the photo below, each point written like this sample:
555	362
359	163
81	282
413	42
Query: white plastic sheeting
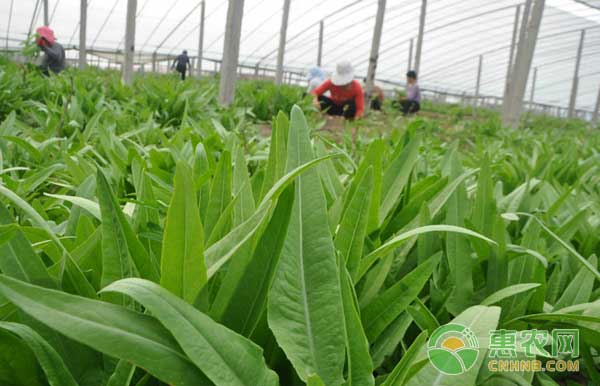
456	33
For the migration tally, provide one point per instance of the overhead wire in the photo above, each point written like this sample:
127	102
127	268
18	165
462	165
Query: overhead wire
220	36
336	32
104	23
33	17
178	25
10	12
197	27
53	12
162	19
298	34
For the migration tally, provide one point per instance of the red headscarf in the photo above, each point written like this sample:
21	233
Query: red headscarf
46	33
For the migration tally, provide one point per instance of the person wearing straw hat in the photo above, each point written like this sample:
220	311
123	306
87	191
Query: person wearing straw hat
54	58
346	99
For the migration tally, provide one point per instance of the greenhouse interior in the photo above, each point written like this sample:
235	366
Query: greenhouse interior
299	192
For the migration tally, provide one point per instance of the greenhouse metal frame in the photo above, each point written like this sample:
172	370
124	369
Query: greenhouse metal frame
536	55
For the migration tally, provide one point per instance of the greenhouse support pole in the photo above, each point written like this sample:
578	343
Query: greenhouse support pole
374	51
200	41
231	51
417	66
410	54
82	33
575	85
513	45
513	104
46	13
596	110
478	84
10	12
533	82
282	38
519	47
129	42
320	51
33	17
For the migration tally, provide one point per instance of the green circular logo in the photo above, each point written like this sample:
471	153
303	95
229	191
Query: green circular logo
453	349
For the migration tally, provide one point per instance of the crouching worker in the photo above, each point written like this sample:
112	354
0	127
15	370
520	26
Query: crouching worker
377	96
346	99
54	53
412	103
315	78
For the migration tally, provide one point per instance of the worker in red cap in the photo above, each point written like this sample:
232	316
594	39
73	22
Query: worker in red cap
54	58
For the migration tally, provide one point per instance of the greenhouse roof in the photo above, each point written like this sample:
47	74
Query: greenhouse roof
457	32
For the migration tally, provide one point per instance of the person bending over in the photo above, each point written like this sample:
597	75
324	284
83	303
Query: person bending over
182	64
412	103
346	99
54	53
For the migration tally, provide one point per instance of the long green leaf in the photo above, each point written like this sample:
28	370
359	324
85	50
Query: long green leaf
305	309
277	152
457	247
508	292
566	245
92	207
115	254
220	193
396	176
108	328
386	307
119	242
122	375
35	153
390	338
55	369
78	280
19	260
350	237
7	232
18	364
182	261
220	252
241	306
579	289
289	177
377	276
212	347
244	204
400	372
360	365
372	257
